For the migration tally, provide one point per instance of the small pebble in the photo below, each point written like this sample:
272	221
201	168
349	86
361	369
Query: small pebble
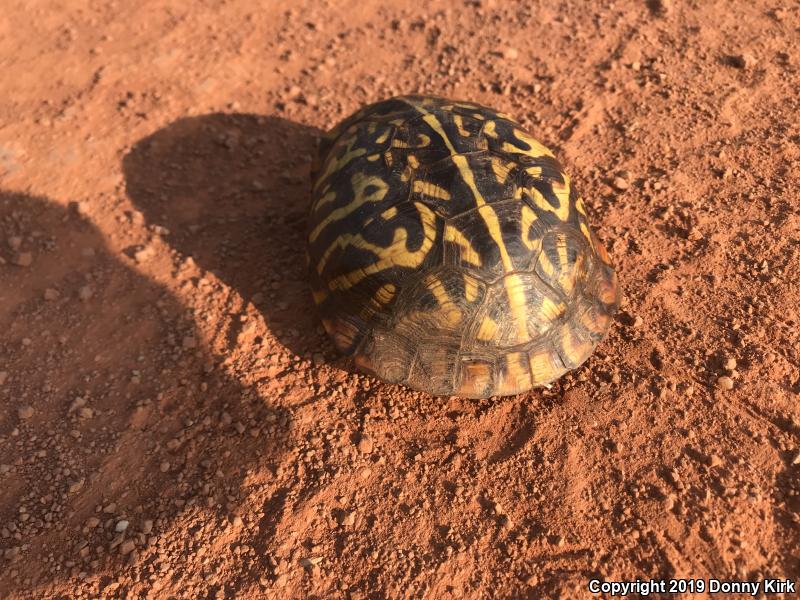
743	61
365	445
725	383
23	259
127	547
85	293
121	526
25	412
730	364
51	294
621	183
92	522
511	54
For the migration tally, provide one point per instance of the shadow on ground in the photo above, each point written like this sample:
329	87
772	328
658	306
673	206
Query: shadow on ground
105	415
233	190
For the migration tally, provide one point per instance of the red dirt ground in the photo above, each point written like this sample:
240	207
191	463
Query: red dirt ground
173	422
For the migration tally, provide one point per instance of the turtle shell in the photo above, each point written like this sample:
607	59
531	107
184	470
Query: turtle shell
448	251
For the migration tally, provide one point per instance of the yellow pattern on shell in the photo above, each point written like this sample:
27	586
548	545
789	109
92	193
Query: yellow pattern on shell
537	149
501	169
576	350
448	309
396	254
586	234
561	211
546	264
427	188
527	221
467	252
542	368
389	213
383	137
333	164
470	288
360	184
422	141
319	296
518	371
325	199
514	289
487	329
460	126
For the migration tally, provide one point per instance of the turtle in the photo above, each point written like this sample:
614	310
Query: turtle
448	251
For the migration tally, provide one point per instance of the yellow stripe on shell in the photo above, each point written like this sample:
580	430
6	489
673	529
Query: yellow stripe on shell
561	250
542	368
383	137
587	234
470	288
490	129
487	329
475	378
574	349
427	188
467	252
518	372
561	211
447	308
389	213
330	196
546	264
514	289
423	140
596	321
528	219
333	164
550	310
535	171
380	298
394	255
562	191
360	184
537	149
459	121
501	169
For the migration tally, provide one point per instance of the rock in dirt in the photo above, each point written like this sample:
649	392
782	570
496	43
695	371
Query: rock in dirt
23	259
725	383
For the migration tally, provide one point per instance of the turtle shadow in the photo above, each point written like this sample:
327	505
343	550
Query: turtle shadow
107	415
231	192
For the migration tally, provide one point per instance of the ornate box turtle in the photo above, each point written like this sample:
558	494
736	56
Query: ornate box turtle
448	251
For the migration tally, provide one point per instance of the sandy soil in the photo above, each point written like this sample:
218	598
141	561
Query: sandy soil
173	422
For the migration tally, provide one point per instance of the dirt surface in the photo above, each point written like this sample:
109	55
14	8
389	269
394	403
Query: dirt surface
173	422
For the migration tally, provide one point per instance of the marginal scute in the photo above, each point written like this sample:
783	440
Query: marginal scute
448	251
